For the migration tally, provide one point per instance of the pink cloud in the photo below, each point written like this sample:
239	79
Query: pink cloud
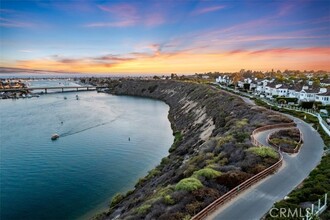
208	9
124	15
283	51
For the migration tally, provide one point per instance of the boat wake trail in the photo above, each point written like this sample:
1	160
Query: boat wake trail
66	134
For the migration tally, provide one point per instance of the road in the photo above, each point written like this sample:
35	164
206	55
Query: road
257	201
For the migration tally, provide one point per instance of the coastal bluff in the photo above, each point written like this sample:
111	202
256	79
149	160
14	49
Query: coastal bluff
211	154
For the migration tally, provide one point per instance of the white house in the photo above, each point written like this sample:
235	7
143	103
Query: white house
294	91
282	90
224	80
308	95
324	98
273	89
260	87
251	84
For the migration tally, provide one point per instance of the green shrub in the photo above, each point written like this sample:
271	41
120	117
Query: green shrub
242	123
286	99
143	209
208	173
263	151
116	199
187	217
241	136
223	140
177	139
189	184
168	200
152	173
189	170
165	161
164	191
129	192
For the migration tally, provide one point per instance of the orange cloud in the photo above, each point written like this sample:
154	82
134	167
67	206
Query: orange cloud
190	62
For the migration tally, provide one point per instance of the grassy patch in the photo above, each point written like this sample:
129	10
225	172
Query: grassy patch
281	141
208	173
263	151
189	184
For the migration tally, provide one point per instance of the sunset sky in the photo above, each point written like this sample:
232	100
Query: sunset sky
165	36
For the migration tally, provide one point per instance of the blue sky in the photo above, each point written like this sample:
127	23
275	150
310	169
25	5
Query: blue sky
165	36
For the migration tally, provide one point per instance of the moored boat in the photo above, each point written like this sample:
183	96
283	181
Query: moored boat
55	137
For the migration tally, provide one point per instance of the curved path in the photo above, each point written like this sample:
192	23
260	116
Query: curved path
258	200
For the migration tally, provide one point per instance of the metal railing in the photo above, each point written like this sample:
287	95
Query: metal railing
246	184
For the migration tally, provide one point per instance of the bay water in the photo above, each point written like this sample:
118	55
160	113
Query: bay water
106	144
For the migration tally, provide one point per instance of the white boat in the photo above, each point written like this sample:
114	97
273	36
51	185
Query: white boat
55	137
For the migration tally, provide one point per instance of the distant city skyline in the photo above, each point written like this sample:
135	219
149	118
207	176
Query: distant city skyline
165	36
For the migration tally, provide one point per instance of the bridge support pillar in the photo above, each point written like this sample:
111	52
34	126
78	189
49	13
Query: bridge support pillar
87	88
46	91
77	89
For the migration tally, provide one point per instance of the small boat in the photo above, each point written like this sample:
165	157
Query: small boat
65	97
55	137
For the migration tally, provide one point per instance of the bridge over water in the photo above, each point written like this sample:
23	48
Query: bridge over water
60	88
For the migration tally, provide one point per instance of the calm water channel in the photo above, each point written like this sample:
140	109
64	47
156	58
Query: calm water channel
76	175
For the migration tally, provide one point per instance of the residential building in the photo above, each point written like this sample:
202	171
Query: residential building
324	98
308	94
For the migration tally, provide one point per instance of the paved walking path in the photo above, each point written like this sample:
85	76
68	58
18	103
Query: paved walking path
255	202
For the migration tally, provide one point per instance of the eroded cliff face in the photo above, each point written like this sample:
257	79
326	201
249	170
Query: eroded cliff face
212	134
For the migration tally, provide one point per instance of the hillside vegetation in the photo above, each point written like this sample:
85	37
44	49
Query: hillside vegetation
211	154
